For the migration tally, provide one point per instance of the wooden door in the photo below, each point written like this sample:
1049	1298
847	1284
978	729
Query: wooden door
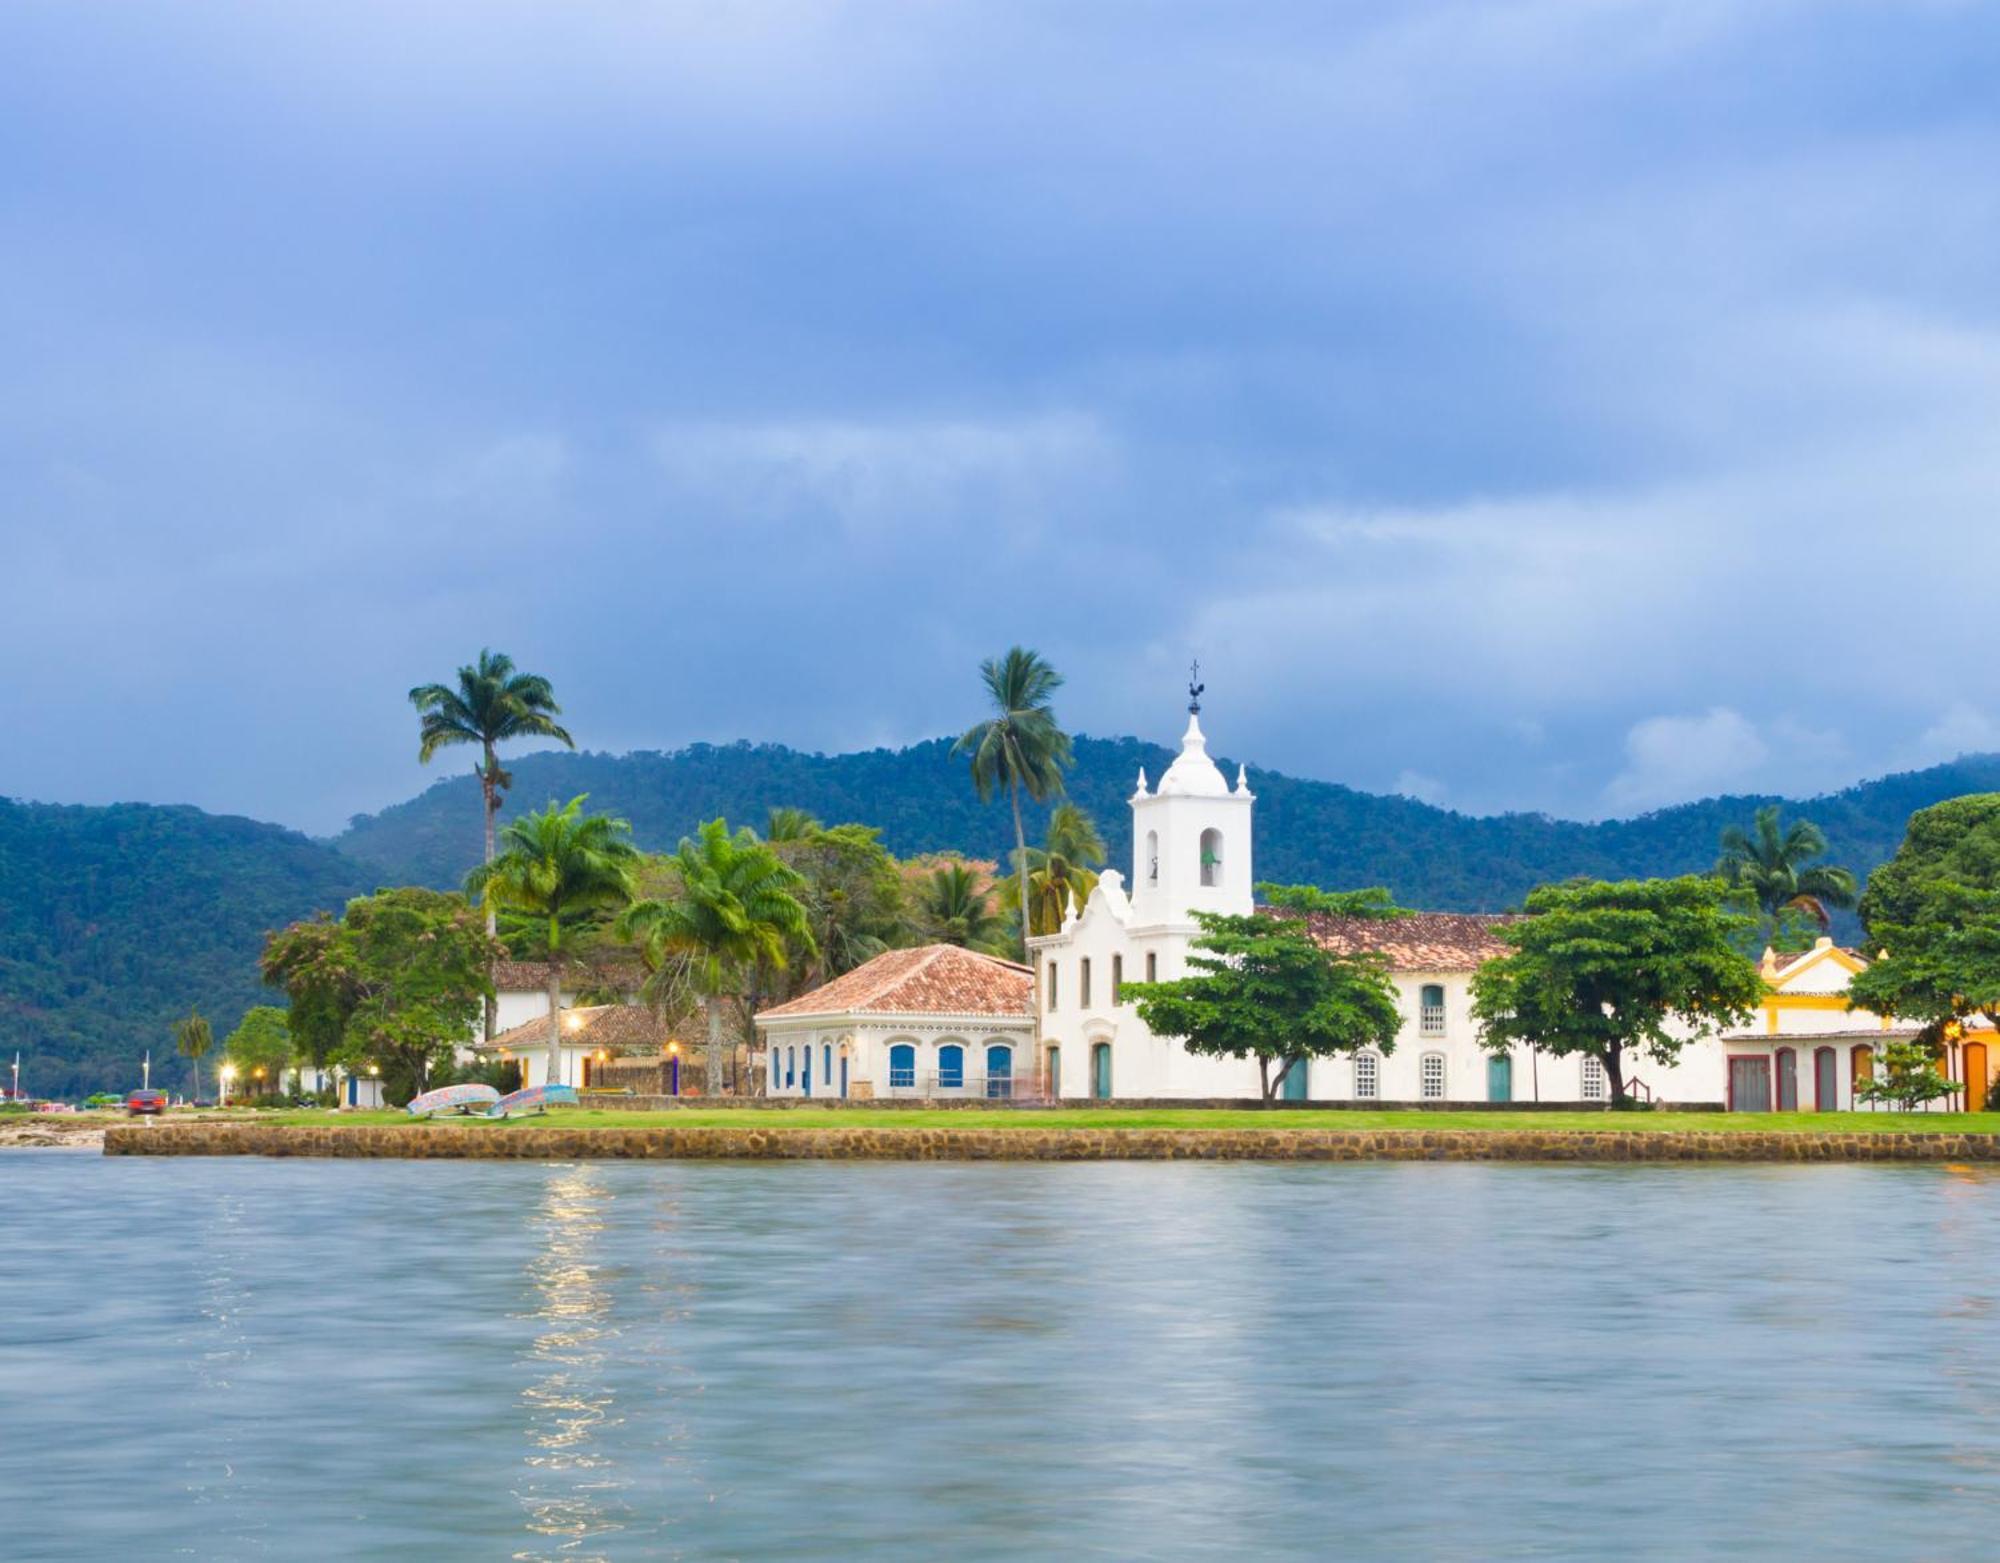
1499	1078
1826	1080
1749	1085
1976	1077
1787	1063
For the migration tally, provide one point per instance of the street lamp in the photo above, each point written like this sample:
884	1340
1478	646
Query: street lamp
228	1074
674	1066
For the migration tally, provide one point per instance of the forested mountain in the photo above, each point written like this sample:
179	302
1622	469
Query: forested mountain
113	921
1306	830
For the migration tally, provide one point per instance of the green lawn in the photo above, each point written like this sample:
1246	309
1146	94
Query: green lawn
784	1119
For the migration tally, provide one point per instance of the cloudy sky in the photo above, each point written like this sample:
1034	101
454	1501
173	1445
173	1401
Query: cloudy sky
1578	405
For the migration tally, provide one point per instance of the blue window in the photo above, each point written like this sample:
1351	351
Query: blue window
951	1067
999	1070
807	1079
902	1065
826	1062
791	1066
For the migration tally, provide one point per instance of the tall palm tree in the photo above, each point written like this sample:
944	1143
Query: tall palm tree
193	1037
957	910
1019	747
559	870
736	905
1775	866
491	704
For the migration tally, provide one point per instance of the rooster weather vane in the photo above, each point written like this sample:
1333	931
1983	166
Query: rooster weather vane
1195	687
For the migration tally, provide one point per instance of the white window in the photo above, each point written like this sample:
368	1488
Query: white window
1430	1010
1152	857
1367	1076
1595	1086
1430	1076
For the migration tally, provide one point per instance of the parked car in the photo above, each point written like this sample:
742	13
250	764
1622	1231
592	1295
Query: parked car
146	1102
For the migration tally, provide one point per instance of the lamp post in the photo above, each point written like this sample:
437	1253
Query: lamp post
674	1067
226	1074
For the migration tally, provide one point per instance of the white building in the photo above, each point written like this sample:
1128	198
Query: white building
932	1022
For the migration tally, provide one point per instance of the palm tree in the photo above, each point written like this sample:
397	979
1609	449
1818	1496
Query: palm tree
192	1040
785	823
1019	747
559	871
1775	867
957	910
1065	869
735	906
491	704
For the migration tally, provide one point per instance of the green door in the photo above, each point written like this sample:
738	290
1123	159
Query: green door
1295	1081
1100	1071
1500	1079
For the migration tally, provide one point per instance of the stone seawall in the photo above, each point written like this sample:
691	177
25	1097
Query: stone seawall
748	1141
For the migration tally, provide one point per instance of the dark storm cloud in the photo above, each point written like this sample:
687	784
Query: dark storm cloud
1563	405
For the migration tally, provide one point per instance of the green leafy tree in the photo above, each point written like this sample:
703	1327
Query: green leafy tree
954	907
735	904
1603	969
559	873
1932	915
192	1040
1065	869
262	1041
397	984
1906	1076
490	704
852	890
1310	899
1773	867
1019	749
787	824
1263	988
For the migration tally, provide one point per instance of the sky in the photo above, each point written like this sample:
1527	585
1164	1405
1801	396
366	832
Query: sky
1568	405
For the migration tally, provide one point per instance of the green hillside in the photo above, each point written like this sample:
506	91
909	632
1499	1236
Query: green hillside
1306	830
114	920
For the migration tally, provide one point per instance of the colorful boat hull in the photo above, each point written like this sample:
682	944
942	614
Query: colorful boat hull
453	1099
533	1099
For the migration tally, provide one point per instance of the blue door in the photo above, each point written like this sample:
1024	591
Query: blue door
1055	1071
999	1071
843	1077
806	1079
1500	1079
1295	1081
951	1067
902	1067
1100	1071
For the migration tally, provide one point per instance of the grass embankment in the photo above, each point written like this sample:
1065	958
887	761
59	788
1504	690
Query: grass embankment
1182	1118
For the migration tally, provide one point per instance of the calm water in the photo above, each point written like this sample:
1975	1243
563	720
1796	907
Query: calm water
234	1359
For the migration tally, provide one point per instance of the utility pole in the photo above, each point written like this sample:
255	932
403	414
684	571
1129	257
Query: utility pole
146	1071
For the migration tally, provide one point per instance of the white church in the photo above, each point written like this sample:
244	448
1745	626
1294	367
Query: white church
940	1023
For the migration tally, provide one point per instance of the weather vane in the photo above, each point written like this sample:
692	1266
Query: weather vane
1195	687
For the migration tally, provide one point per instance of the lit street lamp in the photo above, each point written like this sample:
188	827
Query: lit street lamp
227	1074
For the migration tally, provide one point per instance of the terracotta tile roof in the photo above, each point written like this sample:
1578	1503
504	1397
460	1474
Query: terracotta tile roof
1785	963
933	979
1426	941
533	976
618	1028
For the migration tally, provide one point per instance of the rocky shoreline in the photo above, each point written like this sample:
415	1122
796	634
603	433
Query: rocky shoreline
44	1131
752	1142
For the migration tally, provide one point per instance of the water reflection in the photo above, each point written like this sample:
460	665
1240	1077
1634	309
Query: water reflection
572	1493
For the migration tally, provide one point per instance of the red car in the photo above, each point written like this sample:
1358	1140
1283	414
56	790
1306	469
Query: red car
146	1102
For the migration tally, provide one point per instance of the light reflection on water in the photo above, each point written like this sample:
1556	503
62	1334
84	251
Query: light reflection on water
297	1360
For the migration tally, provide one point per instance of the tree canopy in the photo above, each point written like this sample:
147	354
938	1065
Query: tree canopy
1371	902
1603	969
1261	987
397	983
1932	915
262	1041
1773	867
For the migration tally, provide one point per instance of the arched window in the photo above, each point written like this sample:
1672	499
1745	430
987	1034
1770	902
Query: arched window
791	1066
1367	1076
902	1066
1152	857
1117	979
1430	1009
999	1070
1083	983
1052	987
1152	966
1595	1085
1430	1077
826	1061
951	1067
1211	858
806	1069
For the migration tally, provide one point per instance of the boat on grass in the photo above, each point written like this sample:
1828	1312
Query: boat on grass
466	1099
533	1099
